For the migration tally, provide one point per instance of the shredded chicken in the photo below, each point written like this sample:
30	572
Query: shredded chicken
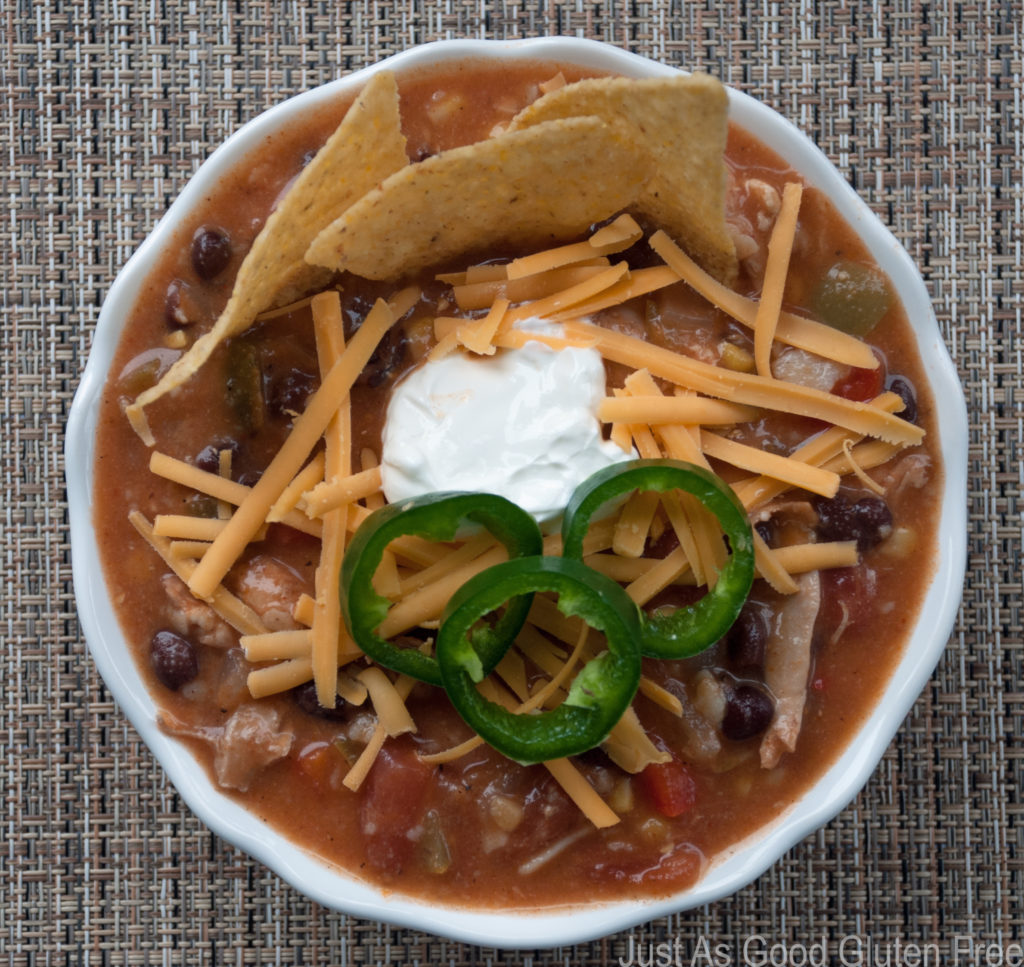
750	235
807	369
701	741
232	684
787	665
709	697
751	253
768	200
911	470
243	748
796	511
191	618
746	247
271	590
793	521
249	743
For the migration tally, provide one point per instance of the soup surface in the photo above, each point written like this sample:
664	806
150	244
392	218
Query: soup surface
734	735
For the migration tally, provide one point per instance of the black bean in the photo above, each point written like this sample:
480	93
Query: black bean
641	256
746	639
305	698
355	307
386	359
288	394
766	530
211	251
904	389
180	307
250	478
174	659
748	711
867	521
208	458
356	304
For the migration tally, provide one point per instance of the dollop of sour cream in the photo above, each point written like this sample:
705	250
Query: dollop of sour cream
522	424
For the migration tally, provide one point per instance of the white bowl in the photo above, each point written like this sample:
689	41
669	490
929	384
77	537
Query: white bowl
544	927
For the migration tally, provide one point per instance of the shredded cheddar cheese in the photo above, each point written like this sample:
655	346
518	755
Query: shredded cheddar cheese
634	524
746	388
231	609
187	528
290	498
685	417
567	297
216	486
815	337
387	582
308	428
771	568
357	774
787	469
279	677
658	577
428	602
303	610
328	632
278	645
655	410
629	746
482	295
780	246
640	282
613	238
478	336
388	702
334	493
368	461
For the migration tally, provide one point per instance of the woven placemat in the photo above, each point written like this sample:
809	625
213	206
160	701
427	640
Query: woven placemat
110	106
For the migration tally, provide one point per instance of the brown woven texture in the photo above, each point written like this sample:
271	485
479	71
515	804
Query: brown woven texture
110	106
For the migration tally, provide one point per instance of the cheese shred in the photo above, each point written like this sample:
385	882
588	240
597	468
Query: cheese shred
780	247
307	430
670	405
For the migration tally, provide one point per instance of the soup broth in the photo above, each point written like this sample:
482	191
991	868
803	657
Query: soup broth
479	829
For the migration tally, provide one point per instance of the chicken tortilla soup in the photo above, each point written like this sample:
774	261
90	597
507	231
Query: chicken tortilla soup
517	486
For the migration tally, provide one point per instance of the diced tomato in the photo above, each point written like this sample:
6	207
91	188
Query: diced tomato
860	385
319	762
394	801
670	787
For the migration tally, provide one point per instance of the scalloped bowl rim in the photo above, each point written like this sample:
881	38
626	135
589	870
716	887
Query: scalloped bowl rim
542	927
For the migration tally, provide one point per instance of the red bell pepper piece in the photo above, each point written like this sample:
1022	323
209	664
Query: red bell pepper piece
670	787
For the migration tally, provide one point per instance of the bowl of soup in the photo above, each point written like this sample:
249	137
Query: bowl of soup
436	300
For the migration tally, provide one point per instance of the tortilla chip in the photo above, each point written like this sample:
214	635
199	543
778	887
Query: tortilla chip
682	123
367	146
540	185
